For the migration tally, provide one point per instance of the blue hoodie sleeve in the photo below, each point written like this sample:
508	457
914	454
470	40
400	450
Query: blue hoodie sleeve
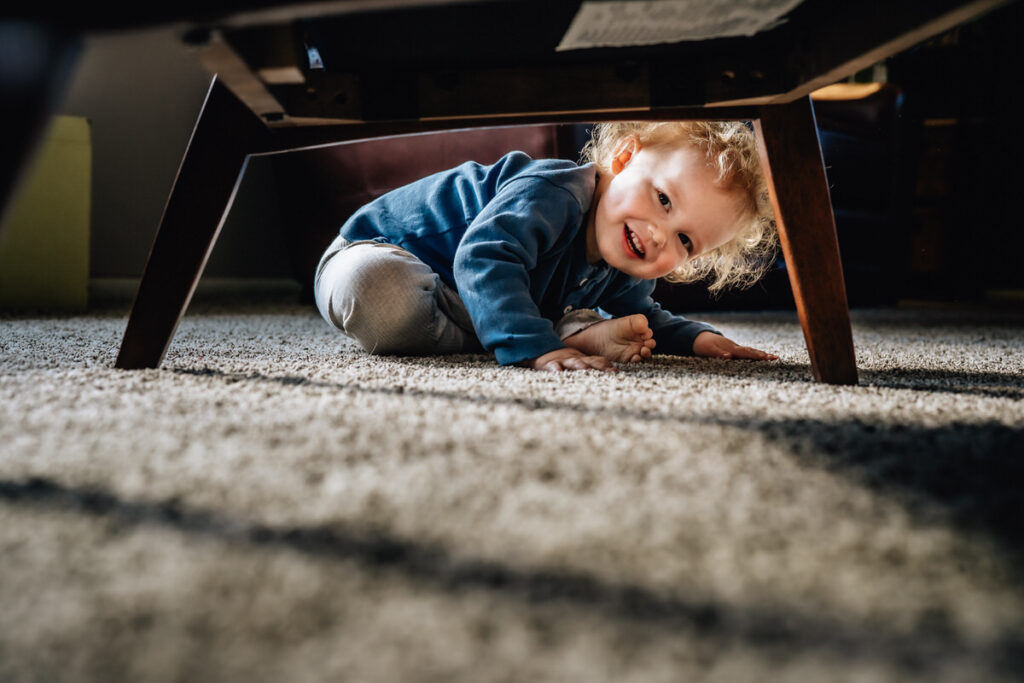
493	263
673	333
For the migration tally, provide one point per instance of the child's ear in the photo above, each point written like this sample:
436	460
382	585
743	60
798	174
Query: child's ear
623	154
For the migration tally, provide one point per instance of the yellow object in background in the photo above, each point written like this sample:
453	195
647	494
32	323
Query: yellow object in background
44	242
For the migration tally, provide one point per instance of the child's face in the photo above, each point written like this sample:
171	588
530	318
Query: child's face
657	208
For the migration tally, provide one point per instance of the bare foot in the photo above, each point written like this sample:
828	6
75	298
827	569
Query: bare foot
623	340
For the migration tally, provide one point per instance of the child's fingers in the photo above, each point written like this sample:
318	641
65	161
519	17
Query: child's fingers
753	354
579	363
763	355
600	363
590	363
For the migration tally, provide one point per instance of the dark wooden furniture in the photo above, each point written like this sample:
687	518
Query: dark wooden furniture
294	77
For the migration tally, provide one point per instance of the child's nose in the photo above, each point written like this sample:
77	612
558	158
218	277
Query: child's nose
657	236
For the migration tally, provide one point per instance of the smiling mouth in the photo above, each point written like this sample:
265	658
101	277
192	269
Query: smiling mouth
633	242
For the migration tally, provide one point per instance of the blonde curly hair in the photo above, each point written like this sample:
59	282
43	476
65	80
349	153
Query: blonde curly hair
730	150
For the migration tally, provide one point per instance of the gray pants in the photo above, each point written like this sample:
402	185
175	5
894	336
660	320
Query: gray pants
391	302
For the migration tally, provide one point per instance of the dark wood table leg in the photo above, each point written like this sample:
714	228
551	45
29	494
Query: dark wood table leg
791	158
209	175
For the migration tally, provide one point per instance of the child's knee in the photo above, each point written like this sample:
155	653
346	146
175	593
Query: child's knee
377	295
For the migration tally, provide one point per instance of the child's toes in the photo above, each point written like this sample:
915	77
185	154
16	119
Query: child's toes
639	327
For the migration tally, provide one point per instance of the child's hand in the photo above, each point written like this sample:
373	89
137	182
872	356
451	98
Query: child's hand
711	345
571	359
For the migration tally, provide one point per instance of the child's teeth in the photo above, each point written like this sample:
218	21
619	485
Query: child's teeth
636	242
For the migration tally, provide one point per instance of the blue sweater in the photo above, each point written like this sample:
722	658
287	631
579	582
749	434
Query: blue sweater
511	239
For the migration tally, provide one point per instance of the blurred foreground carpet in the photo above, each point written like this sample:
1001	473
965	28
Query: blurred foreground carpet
272	505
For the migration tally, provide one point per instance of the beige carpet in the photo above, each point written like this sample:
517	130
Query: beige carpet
274	505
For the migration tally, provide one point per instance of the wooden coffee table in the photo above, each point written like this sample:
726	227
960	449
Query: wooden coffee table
294	76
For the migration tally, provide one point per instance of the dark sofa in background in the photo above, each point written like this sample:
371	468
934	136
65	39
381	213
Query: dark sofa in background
862	142
320	188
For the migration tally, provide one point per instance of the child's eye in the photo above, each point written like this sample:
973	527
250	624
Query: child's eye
665	201
685	240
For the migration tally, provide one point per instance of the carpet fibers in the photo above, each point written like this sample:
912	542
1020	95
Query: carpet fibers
274	505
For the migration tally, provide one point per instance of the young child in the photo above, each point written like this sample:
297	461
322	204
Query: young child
516	258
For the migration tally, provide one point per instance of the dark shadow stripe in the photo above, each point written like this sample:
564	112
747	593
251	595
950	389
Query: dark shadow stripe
990	384
940	380
931	645
1002	385
1006	383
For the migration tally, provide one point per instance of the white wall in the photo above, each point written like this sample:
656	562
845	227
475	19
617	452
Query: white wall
142	92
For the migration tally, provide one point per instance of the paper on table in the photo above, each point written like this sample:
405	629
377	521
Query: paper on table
619	23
